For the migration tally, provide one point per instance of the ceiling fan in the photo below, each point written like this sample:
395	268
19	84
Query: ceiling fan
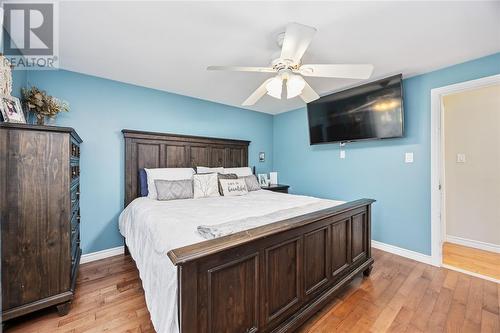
289	68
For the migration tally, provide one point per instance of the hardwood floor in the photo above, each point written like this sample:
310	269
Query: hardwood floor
401	295
472	260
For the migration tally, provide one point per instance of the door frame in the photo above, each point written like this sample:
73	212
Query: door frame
438	221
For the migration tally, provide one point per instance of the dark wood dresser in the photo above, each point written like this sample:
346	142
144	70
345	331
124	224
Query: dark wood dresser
40	217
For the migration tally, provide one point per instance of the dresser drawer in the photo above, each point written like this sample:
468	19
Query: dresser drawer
75	197
75	172
75	244
74	267
75	234
75	221
75	149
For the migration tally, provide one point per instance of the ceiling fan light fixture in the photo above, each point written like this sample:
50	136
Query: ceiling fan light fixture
288	67
274	87
294	86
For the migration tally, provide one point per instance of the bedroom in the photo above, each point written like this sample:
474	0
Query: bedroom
142	105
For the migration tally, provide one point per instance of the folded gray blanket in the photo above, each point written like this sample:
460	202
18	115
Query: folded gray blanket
231	227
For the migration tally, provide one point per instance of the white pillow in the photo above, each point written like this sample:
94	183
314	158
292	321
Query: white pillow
205	185
240	172
231	187
165	174
200	169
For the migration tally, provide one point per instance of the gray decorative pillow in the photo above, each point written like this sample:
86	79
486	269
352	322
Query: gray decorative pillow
225	176
174	189
252	183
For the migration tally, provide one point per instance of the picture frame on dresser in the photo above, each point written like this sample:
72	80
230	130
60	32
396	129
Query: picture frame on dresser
44	276
11	110
263	180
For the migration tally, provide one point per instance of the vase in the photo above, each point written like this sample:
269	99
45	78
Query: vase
40	120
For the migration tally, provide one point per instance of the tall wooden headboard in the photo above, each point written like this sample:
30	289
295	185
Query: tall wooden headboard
163	150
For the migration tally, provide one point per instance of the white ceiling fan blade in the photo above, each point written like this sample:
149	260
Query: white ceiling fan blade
257	94
242	69
308	94
296	41
343	71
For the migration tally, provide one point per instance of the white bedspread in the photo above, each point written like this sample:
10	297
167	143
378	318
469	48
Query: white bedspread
152	228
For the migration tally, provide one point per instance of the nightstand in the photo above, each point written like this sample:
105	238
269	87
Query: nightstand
276	188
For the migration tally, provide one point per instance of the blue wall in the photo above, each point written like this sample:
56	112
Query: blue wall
376	169
19	80
101	108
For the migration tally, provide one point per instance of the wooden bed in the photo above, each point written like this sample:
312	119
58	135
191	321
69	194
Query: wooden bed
268	279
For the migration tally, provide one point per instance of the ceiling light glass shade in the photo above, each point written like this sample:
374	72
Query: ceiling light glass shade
294	86
274	87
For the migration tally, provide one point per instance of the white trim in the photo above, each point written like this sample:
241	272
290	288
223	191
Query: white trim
426	259
437	229
473	243
89	257
481	276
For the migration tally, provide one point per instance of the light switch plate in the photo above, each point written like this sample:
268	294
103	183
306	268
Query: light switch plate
408	157
342	154
461	158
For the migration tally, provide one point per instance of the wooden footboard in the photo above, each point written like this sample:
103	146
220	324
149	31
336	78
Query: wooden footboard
272	278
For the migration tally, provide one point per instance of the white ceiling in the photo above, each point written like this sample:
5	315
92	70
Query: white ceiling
168	45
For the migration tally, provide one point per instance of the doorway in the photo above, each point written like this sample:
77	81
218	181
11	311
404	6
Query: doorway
465	178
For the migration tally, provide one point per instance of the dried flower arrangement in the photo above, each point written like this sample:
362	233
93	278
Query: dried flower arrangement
5	76
43	105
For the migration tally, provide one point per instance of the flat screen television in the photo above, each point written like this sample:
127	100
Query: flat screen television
371	111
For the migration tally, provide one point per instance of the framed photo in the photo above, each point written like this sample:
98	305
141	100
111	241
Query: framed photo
11	110
263	180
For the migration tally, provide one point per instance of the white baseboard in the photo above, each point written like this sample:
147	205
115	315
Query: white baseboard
481	276
101	254
89	257
473	243
426	259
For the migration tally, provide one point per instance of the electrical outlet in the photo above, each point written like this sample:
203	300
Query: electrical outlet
461	158
408	157
342	154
